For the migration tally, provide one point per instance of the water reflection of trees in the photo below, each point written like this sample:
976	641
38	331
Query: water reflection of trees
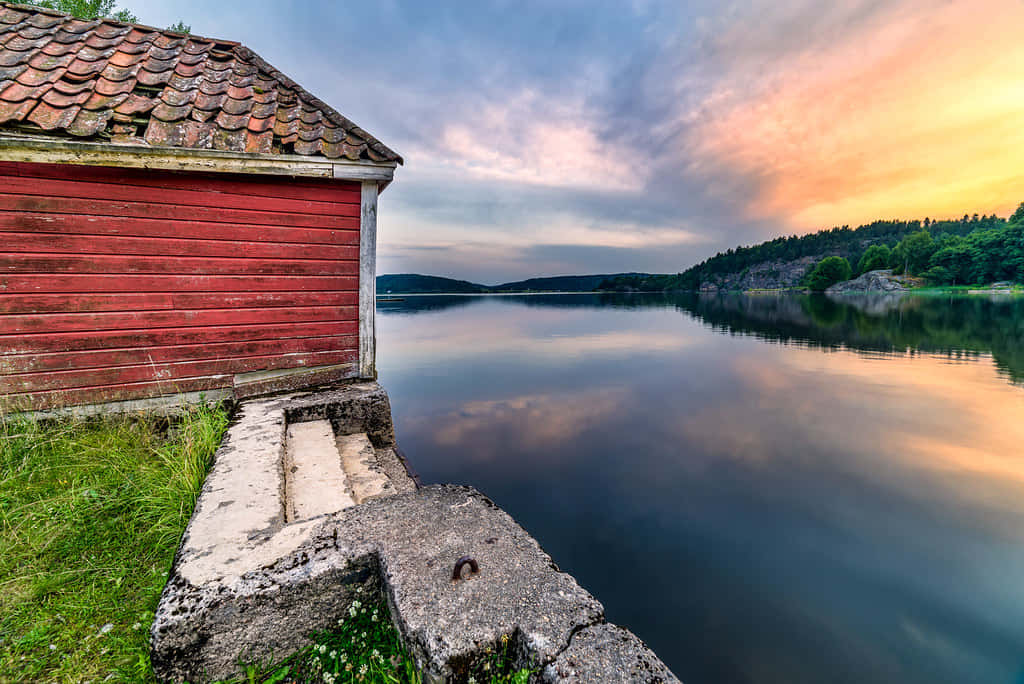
886	323
954	326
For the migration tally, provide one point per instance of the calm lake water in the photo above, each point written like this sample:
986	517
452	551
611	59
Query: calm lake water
765	489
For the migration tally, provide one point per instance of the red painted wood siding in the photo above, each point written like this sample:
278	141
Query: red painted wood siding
123	284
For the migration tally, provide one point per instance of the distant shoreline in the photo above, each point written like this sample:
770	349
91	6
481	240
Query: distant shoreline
485	294
974	292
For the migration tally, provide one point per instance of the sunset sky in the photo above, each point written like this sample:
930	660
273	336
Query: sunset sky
587	137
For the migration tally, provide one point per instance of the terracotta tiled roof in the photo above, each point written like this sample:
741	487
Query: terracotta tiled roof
126	83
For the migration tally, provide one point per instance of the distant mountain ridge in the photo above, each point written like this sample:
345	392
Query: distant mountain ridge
415	283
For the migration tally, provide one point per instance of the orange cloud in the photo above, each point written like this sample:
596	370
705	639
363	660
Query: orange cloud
916	115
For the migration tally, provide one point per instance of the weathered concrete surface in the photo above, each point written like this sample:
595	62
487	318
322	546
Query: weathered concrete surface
246	585
518	591
395	469
411	542
362	470
315	483
240	513
350	408
607	653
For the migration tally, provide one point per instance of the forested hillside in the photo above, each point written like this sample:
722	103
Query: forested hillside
582	283
414	283
970	249
407	283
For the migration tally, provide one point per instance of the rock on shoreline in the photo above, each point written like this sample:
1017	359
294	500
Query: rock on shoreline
872	281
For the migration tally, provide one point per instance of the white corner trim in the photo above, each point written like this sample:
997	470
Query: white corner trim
368	280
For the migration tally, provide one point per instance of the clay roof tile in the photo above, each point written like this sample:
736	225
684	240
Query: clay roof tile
15	111
44	21
14	57
98	78
13	72
87	123
34	77
49	118
105	86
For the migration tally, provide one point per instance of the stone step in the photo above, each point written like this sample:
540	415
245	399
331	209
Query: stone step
315	482
363	472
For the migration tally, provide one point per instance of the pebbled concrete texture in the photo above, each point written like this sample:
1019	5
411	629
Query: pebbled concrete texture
246	585
315	482
607	653
363	471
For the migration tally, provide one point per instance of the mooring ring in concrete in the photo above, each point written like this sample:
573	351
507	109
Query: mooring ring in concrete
457	572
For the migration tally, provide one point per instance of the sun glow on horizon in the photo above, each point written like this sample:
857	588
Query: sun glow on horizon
919	115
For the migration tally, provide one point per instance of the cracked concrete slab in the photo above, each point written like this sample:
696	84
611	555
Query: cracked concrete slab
248	585
607	653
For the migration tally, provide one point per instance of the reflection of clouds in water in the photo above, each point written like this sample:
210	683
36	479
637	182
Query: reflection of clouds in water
491	327
554	348
813	512
541	423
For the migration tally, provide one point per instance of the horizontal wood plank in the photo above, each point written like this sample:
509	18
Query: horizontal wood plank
144	338
151	246
212	214
114	264
55	399
89	377
17	185
103	358
329	190
71	283
128	320
156	301
77	224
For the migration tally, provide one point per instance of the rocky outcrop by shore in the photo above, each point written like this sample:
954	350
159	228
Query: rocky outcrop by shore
872	281
767	275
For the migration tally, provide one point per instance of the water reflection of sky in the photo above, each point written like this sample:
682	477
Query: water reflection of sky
755	512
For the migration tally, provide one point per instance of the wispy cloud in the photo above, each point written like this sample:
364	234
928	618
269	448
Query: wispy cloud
655	131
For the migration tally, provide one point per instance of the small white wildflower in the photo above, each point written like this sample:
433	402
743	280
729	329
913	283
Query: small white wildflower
334	654
53	647
352	611
362	669
137	625
323	648
344	656
376	654
363	611
472	680
357	603
364	635
359	590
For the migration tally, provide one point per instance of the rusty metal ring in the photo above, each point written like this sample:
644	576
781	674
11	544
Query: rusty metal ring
457	572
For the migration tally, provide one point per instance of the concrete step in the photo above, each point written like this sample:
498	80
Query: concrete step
363	472
315	482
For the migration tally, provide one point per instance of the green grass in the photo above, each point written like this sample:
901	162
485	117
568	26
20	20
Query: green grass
364	648
91	513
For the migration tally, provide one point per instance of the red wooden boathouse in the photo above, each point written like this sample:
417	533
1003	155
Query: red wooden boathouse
176	217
